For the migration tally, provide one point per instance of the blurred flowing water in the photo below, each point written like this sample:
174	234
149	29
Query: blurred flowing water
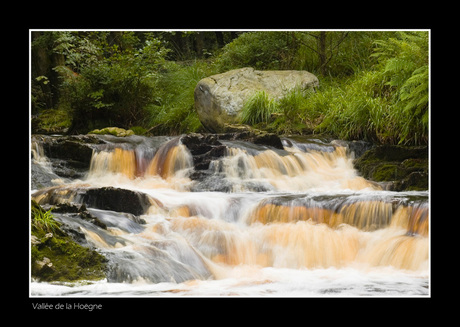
260	222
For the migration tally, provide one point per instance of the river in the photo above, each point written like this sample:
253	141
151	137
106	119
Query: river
257	222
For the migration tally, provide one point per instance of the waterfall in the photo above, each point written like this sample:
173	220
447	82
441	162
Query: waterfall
299	211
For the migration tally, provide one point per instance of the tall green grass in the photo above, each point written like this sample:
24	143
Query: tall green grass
173	112
359	108
289	114
258	109
356	110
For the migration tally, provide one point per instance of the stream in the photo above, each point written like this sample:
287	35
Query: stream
239	219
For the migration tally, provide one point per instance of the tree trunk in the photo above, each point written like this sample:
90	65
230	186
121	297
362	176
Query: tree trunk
220	39
322	52
42	65
199	44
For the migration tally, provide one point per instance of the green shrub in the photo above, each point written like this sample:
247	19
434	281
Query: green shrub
113	87
373	85
138	130
260	50
358	109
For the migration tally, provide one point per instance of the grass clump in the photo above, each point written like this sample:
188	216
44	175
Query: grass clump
258	108
43	220
290	114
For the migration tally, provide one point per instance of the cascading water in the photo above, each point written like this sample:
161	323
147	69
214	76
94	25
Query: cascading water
261	222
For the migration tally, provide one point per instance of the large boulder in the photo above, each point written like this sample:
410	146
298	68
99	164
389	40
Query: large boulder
220	98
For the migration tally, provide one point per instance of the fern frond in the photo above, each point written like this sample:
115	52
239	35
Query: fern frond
398	65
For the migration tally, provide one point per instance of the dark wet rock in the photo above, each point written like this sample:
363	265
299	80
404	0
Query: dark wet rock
239	132
200	143
400	168
204	148
76	149
70	156
117	199
77	199
358	148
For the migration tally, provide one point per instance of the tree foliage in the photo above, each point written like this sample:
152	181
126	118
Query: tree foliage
373	84
105	83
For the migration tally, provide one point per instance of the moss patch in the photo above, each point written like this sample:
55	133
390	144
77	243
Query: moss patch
387	172
407	167
115	131
56	257
51	121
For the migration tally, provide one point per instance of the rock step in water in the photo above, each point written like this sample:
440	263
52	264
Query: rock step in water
106	198
398	167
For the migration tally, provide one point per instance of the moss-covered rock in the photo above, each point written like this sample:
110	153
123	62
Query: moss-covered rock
56	257
405	167
115	131
387	172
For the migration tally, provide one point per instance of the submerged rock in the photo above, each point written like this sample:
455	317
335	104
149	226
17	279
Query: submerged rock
219	98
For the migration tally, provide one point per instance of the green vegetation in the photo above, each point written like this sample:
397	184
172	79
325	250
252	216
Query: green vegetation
373	85
386	103
258	108
56	257
43	220
174	110
116	131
